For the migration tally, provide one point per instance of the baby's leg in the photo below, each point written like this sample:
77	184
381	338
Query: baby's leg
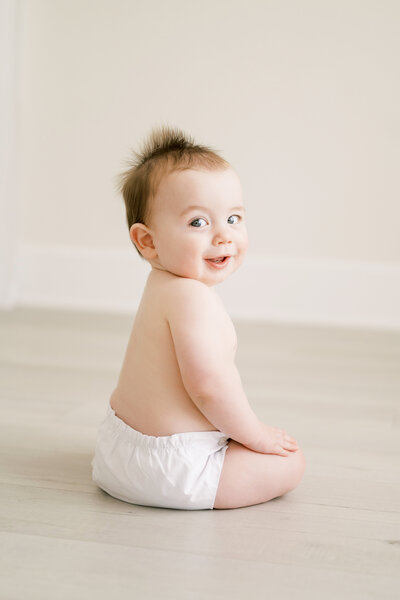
251	478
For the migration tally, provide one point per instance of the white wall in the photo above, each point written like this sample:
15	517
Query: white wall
9	231
301	96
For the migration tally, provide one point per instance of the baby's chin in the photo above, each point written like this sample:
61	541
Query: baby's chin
207	280
213	275
207	273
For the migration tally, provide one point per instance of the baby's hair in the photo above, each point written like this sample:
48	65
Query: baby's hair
166	150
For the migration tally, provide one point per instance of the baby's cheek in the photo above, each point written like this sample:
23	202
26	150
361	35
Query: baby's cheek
245	241
186	265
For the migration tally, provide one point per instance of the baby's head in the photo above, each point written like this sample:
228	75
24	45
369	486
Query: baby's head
184	208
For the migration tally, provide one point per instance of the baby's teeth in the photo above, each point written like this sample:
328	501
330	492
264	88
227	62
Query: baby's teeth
217	260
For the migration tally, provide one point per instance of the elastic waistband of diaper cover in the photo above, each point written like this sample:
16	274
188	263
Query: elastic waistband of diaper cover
117	425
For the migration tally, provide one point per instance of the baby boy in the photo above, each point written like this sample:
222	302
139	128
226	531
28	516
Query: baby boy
179	431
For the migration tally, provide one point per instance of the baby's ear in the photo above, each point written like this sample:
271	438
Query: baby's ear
142	237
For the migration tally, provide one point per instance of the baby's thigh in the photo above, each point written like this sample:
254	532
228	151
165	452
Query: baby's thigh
251	478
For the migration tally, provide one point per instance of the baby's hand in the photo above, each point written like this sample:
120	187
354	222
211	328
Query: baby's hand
276	441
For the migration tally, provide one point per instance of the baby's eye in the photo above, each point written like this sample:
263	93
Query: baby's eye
197	222
237	217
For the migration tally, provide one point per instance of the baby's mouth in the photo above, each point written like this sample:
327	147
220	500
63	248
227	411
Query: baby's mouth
218	262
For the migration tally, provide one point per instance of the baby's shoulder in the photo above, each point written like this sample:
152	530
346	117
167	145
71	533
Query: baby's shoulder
184	295
184	288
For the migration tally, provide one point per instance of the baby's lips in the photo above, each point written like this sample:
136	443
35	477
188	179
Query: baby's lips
218	257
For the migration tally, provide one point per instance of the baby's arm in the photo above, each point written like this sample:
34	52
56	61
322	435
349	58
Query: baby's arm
208	370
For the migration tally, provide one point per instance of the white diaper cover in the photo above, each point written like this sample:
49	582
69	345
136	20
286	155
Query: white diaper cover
175	471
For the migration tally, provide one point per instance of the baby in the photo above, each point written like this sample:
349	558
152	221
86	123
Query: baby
179	431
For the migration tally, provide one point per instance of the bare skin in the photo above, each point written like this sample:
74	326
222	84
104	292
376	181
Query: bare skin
179	370
150	395
160	367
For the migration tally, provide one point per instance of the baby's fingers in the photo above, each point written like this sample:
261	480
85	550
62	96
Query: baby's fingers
290	446
283	453
280	451
290	439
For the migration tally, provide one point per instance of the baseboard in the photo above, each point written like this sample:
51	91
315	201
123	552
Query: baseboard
326	292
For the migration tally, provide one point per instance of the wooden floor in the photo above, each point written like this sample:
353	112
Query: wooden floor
336	536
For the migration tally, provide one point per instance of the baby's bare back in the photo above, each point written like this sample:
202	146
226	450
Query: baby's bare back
150	395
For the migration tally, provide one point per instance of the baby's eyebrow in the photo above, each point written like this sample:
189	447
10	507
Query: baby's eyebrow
189	208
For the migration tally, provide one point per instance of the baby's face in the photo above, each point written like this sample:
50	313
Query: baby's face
197	217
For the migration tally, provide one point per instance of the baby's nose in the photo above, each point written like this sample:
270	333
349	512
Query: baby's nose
219	241
222	237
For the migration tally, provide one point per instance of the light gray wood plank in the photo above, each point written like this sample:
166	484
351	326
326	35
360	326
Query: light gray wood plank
65	568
